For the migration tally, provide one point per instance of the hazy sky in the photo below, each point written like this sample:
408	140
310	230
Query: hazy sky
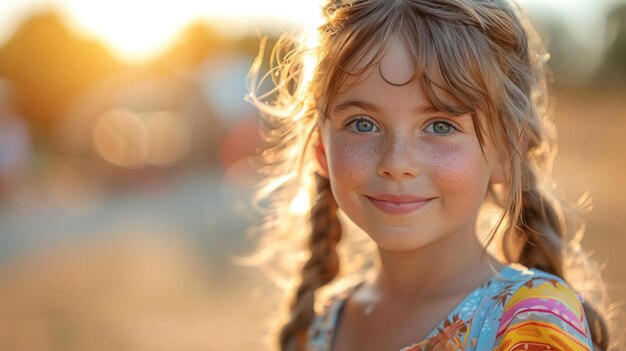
136	29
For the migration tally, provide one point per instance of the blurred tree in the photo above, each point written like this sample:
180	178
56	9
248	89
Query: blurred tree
50	65
192	47
613	71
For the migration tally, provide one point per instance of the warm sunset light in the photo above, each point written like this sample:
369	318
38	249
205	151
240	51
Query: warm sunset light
159	188
134	29
139	29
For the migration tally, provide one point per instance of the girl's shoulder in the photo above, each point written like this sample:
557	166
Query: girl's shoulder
536	309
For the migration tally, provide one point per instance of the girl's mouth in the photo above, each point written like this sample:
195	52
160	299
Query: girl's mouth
398	204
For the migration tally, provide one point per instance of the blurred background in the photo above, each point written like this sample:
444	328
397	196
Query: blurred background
126	164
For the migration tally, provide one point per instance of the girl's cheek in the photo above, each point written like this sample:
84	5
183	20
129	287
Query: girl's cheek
455	166
347	161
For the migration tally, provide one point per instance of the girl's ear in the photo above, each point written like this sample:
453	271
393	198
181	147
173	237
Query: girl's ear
320	155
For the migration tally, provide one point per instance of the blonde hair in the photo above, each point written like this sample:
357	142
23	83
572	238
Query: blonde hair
480	52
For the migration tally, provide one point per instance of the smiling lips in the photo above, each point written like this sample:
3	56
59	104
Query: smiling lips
398	204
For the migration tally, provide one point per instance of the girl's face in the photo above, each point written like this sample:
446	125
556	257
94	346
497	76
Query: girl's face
407	174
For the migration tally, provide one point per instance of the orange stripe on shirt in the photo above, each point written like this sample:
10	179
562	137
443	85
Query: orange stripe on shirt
537	332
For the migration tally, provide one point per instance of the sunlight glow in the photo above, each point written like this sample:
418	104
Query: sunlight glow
139	29
312	41
301	204
135	30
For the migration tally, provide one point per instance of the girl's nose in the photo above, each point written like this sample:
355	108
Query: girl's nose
398	159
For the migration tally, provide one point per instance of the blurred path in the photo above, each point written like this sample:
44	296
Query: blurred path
140	270
197	207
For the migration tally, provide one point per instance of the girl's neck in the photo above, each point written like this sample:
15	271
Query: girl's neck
454	265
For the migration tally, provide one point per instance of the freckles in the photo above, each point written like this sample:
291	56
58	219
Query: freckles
347	161
455	166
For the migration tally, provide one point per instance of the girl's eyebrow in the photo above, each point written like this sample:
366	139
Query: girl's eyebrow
355	103
373	108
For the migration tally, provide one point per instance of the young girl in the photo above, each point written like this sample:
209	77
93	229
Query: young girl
414	119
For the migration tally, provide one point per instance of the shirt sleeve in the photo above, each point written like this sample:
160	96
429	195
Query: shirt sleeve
543	314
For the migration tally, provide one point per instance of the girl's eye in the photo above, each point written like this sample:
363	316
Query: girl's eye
441	128
363	125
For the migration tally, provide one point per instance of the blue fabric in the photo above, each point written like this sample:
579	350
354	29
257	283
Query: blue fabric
480	313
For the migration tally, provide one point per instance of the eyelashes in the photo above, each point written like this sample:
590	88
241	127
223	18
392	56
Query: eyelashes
364	125
361	125
442	128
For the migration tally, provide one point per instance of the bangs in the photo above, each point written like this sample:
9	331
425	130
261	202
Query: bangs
447	54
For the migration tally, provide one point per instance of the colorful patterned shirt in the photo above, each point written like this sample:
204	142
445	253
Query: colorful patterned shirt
517	309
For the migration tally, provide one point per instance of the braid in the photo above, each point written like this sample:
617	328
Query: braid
542	226
321	268
543	231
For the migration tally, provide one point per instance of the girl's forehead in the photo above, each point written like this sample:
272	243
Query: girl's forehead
397	65
393	59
